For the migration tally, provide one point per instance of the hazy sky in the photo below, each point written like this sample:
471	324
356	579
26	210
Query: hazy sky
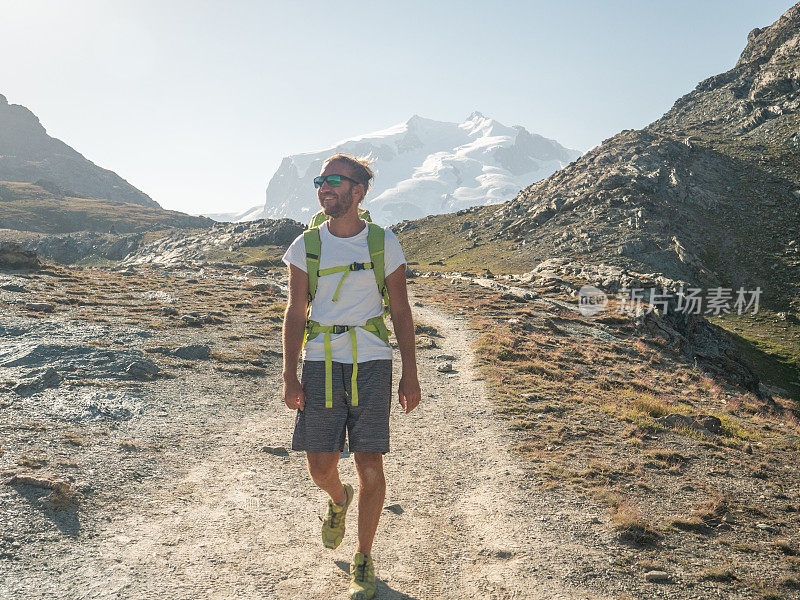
195	103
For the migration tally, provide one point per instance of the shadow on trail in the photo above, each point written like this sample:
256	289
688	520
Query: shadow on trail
65	519
384	592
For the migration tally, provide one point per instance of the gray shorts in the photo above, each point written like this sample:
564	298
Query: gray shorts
321	429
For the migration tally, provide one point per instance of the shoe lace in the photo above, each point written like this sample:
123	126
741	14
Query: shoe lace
336	517
361	571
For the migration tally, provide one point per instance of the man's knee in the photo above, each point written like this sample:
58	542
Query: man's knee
370	468
322	465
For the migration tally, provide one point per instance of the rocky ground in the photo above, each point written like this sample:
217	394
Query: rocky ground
145	451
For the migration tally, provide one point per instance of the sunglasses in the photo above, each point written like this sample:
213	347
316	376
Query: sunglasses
333	180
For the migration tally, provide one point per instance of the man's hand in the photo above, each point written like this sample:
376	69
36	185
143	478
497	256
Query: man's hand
293	394
408	392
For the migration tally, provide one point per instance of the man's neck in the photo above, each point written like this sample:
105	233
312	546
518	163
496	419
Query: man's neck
347	225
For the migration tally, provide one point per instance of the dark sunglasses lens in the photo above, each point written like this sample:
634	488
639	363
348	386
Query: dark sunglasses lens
318	181
334	180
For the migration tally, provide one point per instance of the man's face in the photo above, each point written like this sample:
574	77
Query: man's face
336	201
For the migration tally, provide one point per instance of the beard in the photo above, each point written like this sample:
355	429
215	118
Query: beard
338	207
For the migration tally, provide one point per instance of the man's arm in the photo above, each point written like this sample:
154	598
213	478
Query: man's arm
294	324
408	391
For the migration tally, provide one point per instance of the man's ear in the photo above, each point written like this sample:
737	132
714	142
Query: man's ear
359	193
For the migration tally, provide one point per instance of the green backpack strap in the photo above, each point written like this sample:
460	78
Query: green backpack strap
375	243
313	249
317	220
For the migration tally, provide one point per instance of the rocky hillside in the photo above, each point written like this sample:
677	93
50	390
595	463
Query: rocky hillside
49	208
29	155
252	242
708	194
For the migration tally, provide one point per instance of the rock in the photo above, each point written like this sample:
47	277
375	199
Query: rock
142	369
656	576
14	257
709	422
445	367
45	307
674	421
275	450
195	320
50	378
426	330
265	287
426	342
747	448
193	352
169	311
44	481
411	273
191	320
13	287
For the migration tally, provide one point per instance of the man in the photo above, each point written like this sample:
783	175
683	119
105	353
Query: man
347	370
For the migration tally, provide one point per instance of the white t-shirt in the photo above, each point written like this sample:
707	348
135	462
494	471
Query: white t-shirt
358	299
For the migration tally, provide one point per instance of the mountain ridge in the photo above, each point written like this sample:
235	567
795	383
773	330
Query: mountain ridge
422	167
29	155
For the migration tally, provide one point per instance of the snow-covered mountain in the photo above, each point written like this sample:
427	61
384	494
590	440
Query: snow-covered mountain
251	214
425	167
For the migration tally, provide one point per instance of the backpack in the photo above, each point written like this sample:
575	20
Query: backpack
375	325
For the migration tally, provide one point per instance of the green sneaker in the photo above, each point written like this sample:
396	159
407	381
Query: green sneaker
333	524
362	578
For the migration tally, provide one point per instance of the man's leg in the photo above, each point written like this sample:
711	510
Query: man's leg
371	494
324	470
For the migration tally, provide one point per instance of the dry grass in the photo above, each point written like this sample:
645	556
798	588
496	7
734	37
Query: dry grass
31	462
630	525
74	438
720	574
63	497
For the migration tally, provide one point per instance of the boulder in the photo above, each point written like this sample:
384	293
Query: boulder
14	257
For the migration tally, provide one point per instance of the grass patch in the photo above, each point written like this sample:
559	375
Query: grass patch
720	574
630	525
770	344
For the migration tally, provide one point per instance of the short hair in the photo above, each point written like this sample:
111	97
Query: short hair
361	167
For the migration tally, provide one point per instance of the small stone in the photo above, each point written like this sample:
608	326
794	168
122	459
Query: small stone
49	379
656	576
265	287
142	369
193	352
169	311
45	307
747	448
275	450
445	367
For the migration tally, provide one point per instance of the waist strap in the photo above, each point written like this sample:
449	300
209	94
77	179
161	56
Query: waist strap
375	325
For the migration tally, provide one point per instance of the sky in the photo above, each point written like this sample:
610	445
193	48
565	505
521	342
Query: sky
196	102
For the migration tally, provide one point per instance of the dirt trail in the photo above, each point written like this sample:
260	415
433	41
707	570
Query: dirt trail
464	520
